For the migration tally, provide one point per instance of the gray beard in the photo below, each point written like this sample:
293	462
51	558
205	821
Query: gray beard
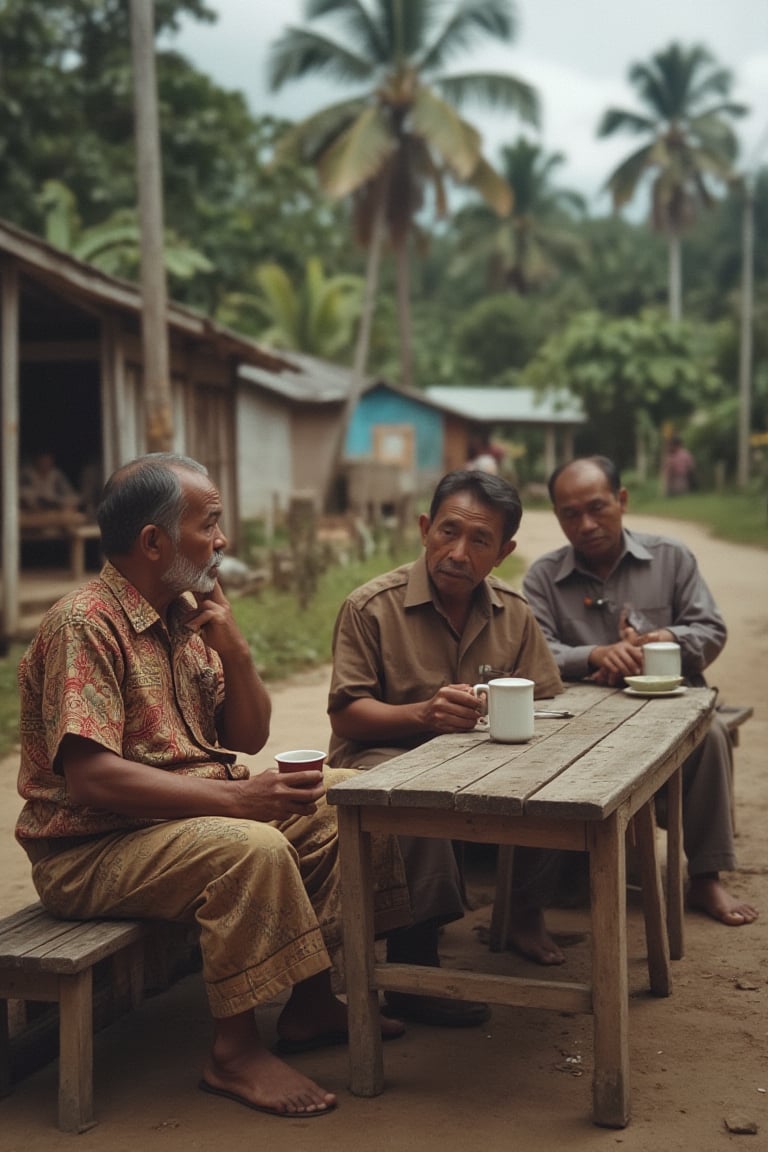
184	576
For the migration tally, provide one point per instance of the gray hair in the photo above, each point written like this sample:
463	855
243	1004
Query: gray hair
144	491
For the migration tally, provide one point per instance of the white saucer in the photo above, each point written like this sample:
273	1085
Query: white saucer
672	692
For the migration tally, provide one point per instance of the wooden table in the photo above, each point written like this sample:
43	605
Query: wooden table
576	785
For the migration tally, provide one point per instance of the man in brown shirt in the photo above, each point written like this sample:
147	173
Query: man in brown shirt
408	646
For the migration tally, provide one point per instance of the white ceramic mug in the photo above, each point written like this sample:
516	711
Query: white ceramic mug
510	708
662	659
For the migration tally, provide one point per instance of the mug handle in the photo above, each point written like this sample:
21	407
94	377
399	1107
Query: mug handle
481	690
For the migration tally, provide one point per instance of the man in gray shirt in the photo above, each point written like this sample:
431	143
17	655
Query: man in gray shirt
603	596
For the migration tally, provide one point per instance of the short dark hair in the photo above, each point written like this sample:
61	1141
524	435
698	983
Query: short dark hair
606	466
492	490
144	491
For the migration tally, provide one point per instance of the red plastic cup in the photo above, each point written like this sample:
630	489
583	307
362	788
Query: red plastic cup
300	760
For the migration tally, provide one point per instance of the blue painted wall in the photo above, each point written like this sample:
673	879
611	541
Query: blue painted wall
383	406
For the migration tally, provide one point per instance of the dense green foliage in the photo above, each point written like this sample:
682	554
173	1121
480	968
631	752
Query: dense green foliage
630	373
488	294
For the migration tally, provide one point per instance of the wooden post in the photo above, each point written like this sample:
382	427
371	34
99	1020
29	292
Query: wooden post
157	381
9	478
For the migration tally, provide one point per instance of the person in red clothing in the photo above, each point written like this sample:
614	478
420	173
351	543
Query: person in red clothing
679	469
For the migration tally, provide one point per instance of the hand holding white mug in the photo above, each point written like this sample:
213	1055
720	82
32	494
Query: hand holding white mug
510	708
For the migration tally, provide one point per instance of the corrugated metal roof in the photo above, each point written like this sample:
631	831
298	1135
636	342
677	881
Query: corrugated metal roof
301	378
508	405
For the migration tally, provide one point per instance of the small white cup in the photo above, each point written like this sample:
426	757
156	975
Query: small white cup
510	708
662	659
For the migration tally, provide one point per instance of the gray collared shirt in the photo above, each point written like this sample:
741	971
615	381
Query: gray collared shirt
657	578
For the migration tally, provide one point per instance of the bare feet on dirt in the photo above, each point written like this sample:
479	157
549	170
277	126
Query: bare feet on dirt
299	1031
528	935
708	894
265	1083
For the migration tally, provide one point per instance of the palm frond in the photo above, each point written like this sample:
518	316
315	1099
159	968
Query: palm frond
305	141
624	179
357	154
495	90
620	119
280	298
300	52
360	27
440	125
492	187
471	19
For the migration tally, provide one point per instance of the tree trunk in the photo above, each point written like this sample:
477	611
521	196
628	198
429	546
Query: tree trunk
675	277
154	330
745	341
404	313
362	347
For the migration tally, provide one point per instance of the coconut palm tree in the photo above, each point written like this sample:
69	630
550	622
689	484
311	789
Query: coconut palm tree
527	249
401	135
689	142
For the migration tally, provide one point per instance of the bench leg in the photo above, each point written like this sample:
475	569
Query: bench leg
500	916
656	938
366	1065
610	984
76	1052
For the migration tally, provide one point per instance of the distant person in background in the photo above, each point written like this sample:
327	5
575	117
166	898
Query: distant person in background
482	458
679	469
44	486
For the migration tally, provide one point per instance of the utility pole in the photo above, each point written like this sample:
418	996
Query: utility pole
154	328
745	345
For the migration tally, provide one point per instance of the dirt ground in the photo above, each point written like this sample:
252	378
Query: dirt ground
698	1058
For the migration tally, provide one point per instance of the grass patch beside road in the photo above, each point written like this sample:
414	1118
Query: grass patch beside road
741	517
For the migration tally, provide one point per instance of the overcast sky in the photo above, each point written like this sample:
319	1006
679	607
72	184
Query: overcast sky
576	54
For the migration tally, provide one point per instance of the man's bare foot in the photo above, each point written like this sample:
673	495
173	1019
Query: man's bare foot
528	935
327	1024
262	1081
708	894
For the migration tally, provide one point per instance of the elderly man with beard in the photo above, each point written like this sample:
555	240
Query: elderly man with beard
135	693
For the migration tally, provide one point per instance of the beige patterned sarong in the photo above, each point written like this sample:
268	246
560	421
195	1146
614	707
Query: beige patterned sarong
265	896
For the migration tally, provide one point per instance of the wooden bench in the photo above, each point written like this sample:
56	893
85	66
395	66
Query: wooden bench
733	716
46	959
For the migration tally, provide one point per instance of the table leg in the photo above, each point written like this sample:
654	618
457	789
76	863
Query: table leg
610	988
366	1066
675	907
656	939
500	916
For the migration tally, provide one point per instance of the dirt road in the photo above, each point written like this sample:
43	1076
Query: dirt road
523	1081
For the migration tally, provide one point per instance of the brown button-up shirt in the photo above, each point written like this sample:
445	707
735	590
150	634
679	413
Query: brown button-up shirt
393	643
104	666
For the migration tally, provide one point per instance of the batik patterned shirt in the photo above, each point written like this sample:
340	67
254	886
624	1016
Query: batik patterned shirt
104	666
